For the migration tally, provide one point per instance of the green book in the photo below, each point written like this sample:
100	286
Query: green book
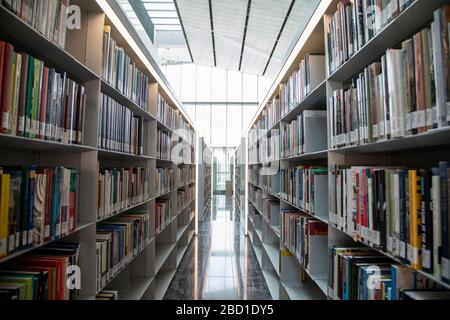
36	98
28	99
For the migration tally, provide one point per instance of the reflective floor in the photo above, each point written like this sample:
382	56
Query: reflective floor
220	263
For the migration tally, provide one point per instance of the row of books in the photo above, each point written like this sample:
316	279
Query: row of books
165	113
37	101
399	211
163	145
306	134
405	93
121	72
255	196
185	196
269	116
121	188
165	181
267	178
119	129
107	295
271	211
306	188
268	148
306	238
358	273
163	214
42	275
186	175
48	17
118	241
36	205
354	24
310	74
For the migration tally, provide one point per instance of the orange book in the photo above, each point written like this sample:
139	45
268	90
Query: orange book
415	243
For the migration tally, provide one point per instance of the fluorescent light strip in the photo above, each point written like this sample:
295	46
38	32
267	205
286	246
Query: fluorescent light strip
104	5
315	19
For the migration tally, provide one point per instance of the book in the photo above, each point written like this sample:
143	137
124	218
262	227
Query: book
122	73
48	17
164	181
39	102
37	206
121	188
119	128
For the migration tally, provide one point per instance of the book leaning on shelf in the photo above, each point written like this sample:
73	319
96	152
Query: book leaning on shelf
119	129
306	188
122	73
354	24
36	205
306	238
306	134
184	197
48	17
310	74
121	188
403	212
405	93
37	101
41	275
359	273
164	181
118	241
163	214
163	144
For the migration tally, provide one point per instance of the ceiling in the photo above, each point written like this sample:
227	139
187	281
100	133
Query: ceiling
252	36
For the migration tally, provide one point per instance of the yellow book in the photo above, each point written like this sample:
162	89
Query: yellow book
4	208
414	244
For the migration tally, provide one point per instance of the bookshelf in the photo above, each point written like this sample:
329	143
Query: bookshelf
289	273
204	179
147	271
239	182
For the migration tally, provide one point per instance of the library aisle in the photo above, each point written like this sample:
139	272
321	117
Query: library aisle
220	263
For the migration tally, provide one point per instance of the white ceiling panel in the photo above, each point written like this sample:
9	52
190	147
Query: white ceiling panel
198	29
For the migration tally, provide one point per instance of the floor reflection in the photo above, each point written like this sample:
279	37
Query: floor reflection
220	263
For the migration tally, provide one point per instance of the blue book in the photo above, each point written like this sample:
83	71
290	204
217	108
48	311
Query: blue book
30	206
403	189
445	232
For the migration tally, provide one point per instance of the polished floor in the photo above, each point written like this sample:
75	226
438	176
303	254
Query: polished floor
220	263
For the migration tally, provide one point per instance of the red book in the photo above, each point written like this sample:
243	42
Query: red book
43	103
420	82
6	85
48	204
22	95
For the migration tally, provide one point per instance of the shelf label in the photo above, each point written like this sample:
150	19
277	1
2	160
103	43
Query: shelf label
421	119
412	254
389	244
408	121
402	249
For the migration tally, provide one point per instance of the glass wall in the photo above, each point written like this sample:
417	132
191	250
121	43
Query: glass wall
220	102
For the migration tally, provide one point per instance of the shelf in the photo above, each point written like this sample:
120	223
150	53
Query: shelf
109	154
166	193
162	283
110	280
161	161
81	226
315	100
22	143
122	99
323	219
186	185
124	210
411	19
163	127
162	253
180	253
426	274
273	283
137	288
308	156
274	255
23	36
304	291
274	229
429	139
